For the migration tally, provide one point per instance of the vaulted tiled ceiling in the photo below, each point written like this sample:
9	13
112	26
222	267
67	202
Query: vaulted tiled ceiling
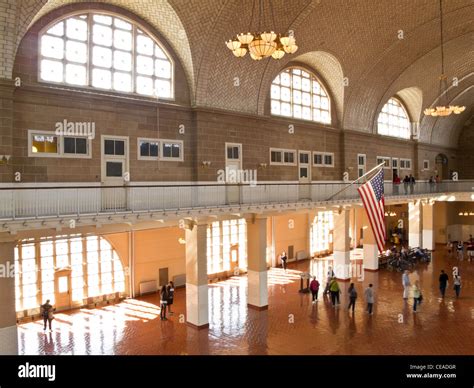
363	35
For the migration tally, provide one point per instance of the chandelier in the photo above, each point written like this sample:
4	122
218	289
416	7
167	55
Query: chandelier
443	110
265	44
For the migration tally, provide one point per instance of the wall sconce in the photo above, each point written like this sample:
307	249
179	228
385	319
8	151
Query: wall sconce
181	241
206	163
4	159
263	165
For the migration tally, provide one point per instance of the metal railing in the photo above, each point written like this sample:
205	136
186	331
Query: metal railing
40	202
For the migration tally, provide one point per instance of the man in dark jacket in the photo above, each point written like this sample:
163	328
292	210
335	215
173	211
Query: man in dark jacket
443	282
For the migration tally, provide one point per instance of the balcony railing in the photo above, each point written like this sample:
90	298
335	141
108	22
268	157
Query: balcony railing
27	203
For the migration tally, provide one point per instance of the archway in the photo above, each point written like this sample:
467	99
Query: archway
70	271
441	166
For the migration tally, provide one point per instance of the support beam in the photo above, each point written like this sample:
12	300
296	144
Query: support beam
8	328
342	253
257	266
428	227
414	224
371	258
197	300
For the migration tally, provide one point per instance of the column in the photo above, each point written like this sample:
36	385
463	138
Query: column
371	252
428	226
342	252
414	224
257	267
8	328
197	303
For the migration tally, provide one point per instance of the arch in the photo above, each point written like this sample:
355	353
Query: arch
103	50
158	13
442	166
91	265
412	99
393	119
298	93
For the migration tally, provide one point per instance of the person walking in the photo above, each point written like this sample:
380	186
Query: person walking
329	276
335	291
163	302
457	285
406	284
460	250
352	297
46	311
443	282
170	296
314	288
283	259
370	298
417	297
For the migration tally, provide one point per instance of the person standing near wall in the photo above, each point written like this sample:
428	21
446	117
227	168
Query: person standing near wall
46	311
170	296
163	302
283	259
370	298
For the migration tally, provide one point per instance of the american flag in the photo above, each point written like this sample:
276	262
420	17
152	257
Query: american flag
374	204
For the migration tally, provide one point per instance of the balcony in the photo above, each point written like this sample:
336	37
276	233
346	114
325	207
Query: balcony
24	203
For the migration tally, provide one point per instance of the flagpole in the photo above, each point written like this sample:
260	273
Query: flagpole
353	182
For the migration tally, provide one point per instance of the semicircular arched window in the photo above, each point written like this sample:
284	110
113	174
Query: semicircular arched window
105	52
297	93
393	120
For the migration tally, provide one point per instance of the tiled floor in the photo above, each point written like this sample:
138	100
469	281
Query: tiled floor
291	325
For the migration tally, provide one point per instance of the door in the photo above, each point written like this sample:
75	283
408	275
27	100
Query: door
115	172
395	168
62	280
304	174
361	164
233	167
234	258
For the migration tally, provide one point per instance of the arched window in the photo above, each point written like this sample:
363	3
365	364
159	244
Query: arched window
297	93
393	120
105	52
76	266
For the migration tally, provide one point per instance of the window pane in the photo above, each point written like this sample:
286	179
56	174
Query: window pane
144	65
51	71
69	145
102	56
163	88
145	85
44	144
122	24
119	147
75	74
144	45
57	29
76	29
114	169
162	68
122	82
52	47
103	19
76	51
102	35
101	78
122	60
122	40
63	284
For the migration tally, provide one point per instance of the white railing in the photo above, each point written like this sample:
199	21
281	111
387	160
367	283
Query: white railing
27	203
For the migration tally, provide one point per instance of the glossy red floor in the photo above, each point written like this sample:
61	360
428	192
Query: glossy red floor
291	325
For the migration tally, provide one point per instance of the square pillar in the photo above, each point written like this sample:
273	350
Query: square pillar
8	328
371	251
197	300
428	226
414	224
7	88
342	253
257	267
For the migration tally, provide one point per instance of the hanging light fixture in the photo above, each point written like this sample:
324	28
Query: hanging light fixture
265	44
443	110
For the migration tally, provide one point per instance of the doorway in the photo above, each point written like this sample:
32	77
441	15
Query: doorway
395	167
441	166
62	285
115	171
233	166
304	174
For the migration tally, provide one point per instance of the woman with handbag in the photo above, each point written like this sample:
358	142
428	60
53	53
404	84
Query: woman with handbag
47	314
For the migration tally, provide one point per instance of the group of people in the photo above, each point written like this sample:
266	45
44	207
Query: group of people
408	182
333	289
166	300
416	290
458	248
